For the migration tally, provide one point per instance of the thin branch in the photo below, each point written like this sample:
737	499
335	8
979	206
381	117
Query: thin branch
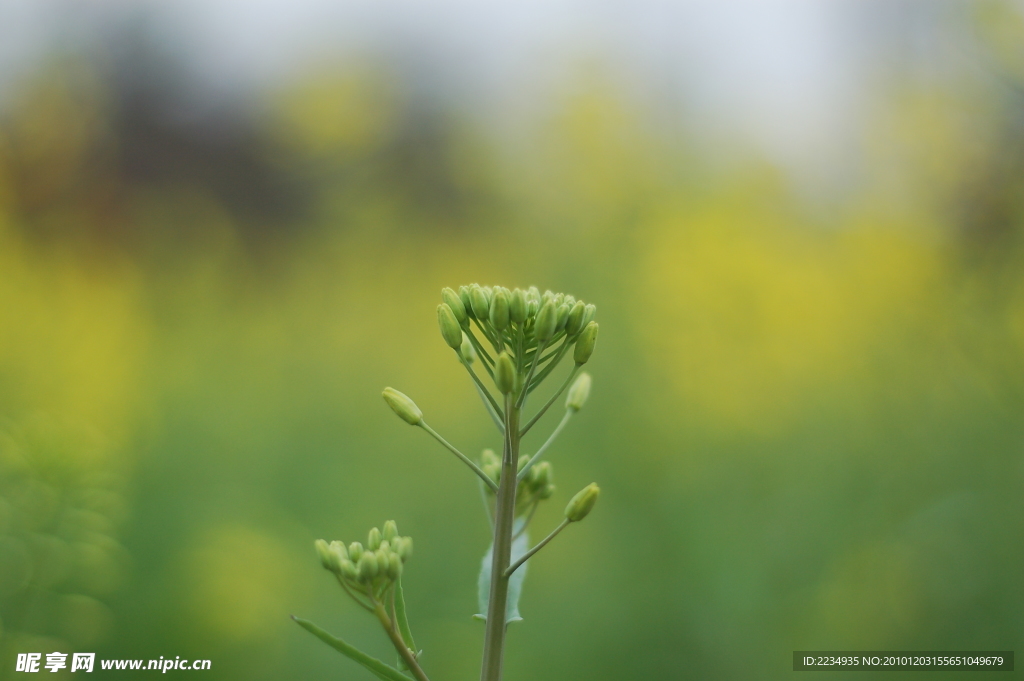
543	542
350	593
489	402
565	384
396	640
465	459
543	447
529	377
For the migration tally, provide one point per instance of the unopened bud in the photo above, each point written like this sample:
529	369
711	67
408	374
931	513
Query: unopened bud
504	374
575	321
404	549
581	504
383	561
517	307
337	554
403	406
585	343
588	314
324	553
547	319
348	570
500	310
390	530
450	329
373	540
367	567
561	317
466	301
355	551
492	471
480	303
546	492
467	350
540	475
385	545
579	391
452	300
394	566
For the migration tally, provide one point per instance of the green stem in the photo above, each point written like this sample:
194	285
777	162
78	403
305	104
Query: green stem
505	510
543	447
489	402
565	384
396	640
543	542
465	459
551	366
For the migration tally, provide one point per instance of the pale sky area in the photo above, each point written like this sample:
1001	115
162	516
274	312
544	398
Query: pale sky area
788	77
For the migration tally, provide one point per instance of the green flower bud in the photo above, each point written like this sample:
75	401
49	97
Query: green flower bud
394	566
348	570
561	317
540	475
579	391
324	552
355	551
385	545
581	504
569	300
467	350
383	561
492	471
585	343
500	310
532	307
467	303
367	567
373	540
489	457
480	304
533	293
337	554
588	314
450	329
403	406
504	374
546	492
404	549
452	300
547	319
390	530
575	321
517	307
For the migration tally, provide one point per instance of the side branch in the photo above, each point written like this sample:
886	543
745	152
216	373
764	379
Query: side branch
465	459
543	542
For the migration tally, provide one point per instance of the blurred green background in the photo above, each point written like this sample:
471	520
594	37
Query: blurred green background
807	408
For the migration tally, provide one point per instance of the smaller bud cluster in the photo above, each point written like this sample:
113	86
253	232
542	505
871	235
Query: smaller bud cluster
537	485
370	569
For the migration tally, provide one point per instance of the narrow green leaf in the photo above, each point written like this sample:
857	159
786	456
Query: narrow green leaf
379	669
515	583
402	617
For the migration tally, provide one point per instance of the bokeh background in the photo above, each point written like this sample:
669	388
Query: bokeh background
224	227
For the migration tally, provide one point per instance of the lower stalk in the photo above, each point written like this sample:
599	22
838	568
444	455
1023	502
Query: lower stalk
504	517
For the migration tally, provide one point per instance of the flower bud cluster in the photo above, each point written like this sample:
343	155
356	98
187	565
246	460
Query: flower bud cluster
537	485
375	566
517	324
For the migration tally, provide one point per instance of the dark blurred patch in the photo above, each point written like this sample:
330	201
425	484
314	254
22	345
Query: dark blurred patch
91	133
